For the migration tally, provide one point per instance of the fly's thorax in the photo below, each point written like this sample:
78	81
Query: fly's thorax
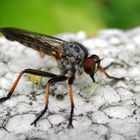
73	59
75	50
66	66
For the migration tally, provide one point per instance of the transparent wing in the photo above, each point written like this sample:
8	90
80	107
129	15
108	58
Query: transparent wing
43	43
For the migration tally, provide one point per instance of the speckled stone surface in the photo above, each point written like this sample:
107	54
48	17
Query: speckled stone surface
105	110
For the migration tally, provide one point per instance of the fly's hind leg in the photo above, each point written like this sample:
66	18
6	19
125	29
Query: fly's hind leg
51	81
30	71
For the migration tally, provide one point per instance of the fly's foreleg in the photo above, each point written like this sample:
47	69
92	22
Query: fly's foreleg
108	76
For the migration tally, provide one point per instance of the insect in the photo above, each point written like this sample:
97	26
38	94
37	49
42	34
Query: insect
71	57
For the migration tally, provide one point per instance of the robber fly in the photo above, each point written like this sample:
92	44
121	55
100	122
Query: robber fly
70	55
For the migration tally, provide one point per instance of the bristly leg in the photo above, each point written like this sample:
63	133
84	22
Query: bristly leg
30	71
51	81
3	99
113	63
55	78
46	105
70	125
39	116
70	82
108	76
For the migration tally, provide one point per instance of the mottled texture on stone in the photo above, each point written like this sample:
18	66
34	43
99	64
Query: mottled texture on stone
106	110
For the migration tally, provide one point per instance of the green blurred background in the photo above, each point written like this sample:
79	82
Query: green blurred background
57	16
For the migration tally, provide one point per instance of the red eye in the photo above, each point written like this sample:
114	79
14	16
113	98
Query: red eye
88	63
92	64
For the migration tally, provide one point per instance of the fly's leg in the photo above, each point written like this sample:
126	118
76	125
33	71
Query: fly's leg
70	82
113	63
108	76
51	81
30	71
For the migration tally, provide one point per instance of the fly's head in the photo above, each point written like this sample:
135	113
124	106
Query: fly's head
91	65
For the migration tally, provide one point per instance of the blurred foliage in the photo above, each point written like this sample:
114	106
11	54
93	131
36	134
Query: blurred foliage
55	16
121	13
